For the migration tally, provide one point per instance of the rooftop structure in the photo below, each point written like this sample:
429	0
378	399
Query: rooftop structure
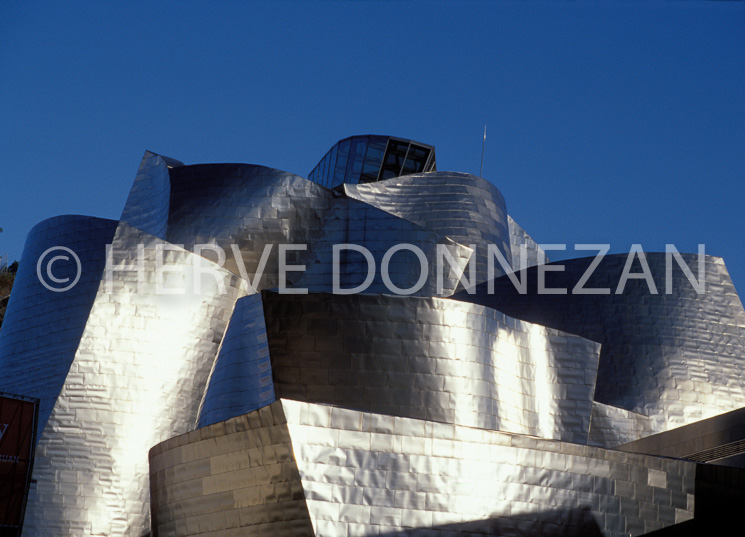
367	159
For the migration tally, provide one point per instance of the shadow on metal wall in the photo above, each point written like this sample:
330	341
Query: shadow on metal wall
560	522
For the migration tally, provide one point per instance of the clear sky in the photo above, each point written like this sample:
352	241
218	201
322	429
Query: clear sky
613	123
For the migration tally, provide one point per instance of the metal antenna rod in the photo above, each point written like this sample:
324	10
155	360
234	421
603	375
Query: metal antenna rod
483	146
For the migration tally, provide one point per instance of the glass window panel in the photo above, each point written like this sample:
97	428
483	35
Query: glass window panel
432	165
341	163
369	173
415	159
356	160
365	159
314	172
375	152
318	172
330	166
418	152
394	159
387	174
323	169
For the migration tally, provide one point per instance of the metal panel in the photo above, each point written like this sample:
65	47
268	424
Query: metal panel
519	241
611	426
432	379
719	440
365	474
136	379
349	221
238	475
148	201
241	379
247	206
431	358
674	357
250	207
42	328
467	209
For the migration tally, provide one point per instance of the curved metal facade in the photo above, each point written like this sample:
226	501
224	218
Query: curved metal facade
247	206
244	208
42	328
426	358
137	377
241	378
525	251
304	469
434	359
673	357
441	412
148	202
463	207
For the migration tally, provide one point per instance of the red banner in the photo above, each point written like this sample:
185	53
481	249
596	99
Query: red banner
18	416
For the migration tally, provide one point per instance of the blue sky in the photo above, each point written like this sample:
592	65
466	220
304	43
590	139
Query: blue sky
613	123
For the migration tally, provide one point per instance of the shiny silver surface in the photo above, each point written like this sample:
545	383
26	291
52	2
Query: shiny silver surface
520	241
450	407
349	221
467	209
246	208
148	201
675	358
42	329
241	379
430	358
137	377
365	474
611	426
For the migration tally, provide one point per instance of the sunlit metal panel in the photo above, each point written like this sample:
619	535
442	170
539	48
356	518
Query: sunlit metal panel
241	379
467	209
42	328
136	379
525	251
305	469
434	359
675	357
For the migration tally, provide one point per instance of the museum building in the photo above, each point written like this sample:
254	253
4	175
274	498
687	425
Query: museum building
209	374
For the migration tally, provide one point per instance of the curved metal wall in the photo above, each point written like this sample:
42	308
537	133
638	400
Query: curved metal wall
676	358
147	206
241	379
519	240
42	328
433	359
353	222
305	469
248	206
124	367
136	379
463	207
